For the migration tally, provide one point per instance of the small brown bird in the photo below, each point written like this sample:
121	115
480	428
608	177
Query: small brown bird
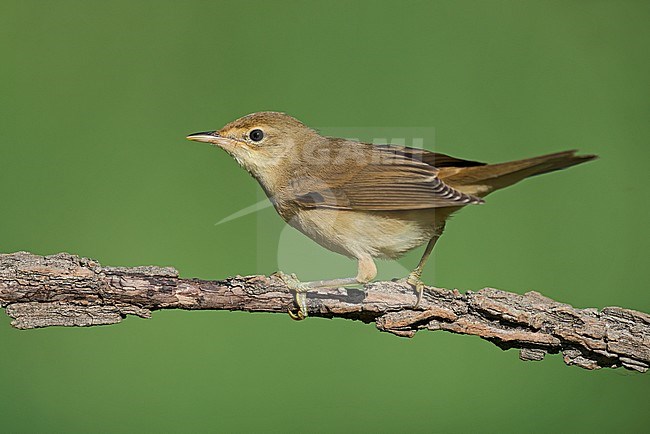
362	200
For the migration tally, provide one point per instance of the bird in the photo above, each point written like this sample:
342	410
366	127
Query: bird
365	201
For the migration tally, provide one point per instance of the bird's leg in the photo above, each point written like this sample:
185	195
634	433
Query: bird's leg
366	272
414	278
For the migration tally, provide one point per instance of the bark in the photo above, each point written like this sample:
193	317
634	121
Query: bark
66	290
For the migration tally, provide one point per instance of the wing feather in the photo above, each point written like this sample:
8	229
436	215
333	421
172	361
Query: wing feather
392	180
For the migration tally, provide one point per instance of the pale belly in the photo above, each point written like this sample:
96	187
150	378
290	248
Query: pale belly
386	235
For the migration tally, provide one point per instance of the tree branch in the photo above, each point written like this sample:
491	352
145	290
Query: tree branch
66	290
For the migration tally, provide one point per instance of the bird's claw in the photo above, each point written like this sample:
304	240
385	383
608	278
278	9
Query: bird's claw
300	290
414	280
300	313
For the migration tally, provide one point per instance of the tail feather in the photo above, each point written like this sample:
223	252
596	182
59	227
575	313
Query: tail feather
482	180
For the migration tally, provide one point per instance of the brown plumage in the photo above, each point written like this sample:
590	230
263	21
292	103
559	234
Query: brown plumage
482	180
362	200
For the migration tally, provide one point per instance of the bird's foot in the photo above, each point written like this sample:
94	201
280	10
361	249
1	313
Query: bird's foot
300	298
414	280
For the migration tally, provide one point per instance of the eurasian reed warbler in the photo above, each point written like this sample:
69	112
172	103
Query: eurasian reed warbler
362	200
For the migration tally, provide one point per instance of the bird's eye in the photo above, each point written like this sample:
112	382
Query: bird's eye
256	135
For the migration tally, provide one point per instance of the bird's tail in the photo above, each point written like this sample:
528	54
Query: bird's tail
482	180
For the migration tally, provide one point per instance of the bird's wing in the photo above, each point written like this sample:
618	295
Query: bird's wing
391	181
435	159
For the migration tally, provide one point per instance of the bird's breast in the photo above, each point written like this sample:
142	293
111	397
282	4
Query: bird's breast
361	233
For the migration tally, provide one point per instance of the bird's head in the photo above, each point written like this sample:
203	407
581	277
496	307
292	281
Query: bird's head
261	142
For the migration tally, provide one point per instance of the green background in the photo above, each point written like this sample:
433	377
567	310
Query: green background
96	98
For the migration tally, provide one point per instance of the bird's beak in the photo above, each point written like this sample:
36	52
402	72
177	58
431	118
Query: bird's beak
206	136
213	137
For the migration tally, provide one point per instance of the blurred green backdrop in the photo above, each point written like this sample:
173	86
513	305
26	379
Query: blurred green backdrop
98	96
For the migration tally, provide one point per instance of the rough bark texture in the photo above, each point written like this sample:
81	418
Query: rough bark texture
66	290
